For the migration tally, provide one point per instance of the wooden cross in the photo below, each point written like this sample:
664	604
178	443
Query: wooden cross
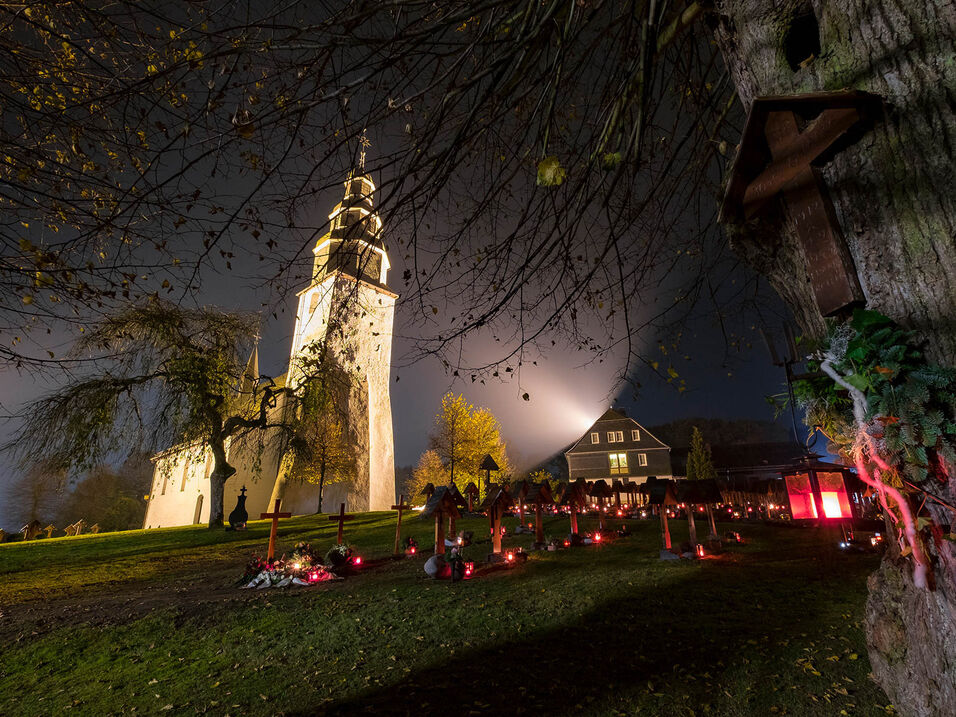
793	174
274	515
401	508
341	518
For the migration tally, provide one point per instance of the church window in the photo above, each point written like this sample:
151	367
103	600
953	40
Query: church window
642	459
165	478
595	438
313	302
635	435
618	463
185	476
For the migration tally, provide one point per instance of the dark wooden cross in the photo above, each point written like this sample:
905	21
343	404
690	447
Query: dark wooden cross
341	518
774	124
274	515
401	508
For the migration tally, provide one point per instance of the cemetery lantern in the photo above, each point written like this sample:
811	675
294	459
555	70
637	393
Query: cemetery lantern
817	491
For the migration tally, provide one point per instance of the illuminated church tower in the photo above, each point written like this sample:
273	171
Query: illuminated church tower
349	305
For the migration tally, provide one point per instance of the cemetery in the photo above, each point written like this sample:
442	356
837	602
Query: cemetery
614	626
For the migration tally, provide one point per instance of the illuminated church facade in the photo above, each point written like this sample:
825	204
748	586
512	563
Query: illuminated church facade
348	305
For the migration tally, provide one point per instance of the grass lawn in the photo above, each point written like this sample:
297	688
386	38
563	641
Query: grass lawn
149	622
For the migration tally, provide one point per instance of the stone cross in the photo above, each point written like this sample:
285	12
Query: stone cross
274	515
401	508
341	518
792	173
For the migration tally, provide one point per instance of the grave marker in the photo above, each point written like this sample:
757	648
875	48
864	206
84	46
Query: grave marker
31	530
341	518
401	508
274	516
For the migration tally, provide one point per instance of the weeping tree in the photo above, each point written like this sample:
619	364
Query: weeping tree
317	433
161	375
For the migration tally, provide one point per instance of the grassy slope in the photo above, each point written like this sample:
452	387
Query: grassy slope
775	628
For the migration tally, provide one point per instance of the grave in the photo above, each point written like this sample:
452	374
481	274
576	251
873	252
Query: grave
50	530
401	508
599	489
31	530
487	465
519	490
660	494
471	490
496	503
440	505
461	504
274	516
575	499
340	519
239	515
539	495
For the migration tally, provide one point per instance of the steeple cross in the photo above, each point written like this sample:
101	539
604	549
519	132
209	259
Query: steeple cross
365	144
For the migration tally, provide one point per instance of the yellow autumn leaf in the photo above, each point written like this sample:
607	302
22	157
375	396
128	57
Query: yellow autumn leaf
550	172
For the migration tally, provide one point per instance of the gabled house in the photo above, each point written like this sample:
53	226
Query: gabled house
618	448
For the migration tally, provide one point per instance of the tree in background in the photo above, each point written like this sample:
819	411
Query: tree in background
700	466
166	375
429	470
463	436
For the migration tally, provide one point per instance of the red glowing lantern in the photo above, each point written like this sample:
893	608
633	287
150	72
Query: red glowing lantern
814	493
509	557
597	537
412	550
700	550
357	560
469	569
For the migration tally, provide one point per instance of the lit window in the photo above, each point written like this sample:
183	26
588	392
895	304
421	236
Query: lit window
635	435
642	459
618	463
595	438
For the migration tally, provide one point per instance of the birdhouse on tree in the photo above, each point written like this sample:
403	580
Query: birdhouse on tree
440	505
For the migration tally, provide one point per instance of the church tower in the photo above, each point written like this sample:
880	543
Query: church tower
349	306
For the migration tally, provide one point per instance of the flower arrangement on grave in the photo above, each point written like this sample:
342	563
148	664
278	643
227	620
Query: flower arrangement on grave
338	555
409	545
302	567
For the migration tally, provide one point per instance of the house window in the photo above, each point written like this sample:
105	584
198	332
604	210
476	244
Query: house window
618	463
635	435
615	436
642	459
595	438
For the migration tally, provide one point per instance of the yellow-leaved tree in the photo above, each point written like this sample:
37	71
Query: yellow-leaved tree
463	436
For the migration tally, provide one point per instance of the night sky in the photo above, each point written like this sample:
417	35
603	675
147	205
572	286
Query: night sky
568	388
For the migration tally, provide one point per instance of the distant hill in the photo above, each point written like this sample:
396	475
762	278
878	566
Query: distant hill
721	431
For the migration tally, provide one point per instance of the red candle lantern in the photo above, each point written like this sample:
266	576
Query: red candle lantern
817	491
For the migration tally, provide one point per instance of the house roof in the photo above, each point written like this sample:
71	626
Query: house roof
613	420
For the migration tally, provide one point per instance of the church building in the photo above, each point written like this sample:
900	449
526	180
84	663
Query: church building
348	306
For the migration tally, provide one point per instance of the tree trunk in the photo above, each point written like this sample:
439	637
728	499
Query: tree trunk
217	482
893	196
321	485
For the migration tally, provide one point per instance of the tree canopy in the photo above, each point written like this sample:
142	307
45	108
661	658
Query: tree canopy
462	437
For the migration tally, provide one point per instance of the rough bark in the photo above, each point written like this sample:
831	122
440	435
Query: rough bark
894	197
